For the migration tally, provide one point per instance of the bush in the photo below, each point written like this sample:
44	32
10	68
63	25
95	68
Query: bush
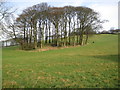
26	46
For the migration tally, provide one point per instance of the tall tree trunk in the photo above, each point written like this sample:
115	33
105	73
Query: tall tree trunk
13	27
69	32
24	32
46	32
81	38
6	43
62	28
40	42
40	34
31	31
52	37
77	31
86	37
57	39
35	35
49	32
27	36
74	32
65	34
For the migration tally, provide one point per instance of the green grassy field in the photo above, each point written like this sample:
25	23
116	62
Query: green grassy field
94	65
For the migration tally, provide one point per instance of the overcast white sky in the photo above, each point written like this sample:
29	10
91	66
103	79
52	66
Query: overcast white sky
108	9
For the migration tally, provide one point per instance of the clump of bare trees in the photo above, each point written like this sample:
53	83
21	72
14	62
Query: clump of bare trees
6	12
57	26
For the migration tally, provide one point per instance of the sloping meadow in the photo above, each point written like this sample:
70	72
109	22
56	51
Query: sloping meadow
94	65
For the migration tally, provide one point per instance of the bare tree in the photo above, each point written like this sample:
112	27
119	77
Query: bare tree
5	11
56	14
62	26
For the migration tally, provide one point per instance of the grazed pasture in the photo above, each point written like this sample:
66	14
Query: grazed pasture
94	65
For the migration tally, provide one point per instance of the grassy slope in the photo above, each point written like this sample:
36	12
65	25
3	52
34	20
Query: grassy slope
93	65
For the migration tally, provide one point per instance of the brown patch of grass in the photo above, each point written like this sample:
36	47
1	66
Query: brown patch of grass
49	48
9	83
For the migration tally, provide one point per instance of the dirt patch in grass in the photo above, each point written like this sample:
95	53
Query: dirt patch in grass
51	48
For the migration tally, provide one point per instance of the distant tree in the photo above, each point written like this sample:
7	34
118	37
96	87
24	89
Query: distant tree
88	21
105	32
69	12
5	12
56	14
61	26
115	31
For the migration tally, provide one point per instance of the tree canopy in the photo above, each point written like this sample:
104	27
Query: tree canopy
57	26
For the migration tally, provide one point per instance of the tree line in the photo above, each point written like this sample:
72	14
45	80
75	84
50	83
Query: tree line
42	24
